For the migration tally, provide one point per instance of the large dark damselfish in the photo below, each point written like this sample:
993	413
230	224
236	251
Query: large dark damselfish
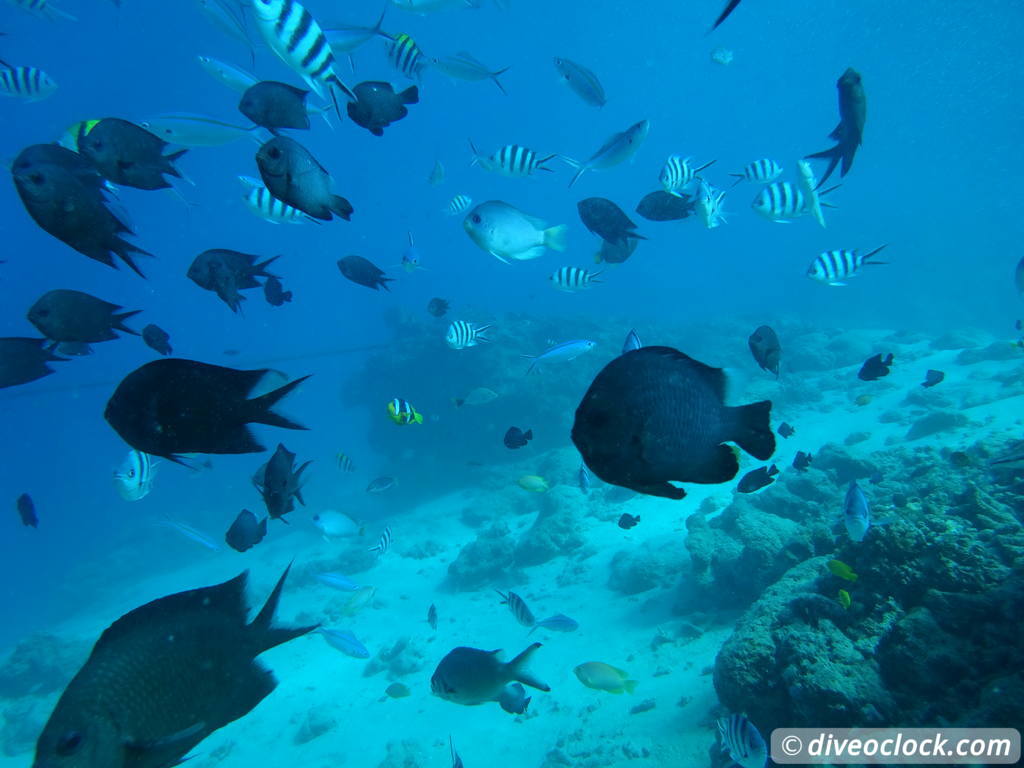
606	220
295	177
853	113
226	272
23	360
126	153
661	206
364	272
875	367
64	195
654	414
765	347
377	105
164	677
65	315
172	406
280	484
274	105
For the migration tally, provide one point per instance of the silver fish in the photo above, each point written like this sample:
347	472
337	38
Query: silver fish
228	74
345	38
856	512
567	350
194	130
617	149
581	81
462	66
558	623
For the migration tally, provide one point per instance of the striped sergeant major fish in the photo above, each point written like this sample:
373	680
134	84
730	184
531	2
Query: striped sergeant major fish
384	543
268	207
406	56
519	608
293	34
459	204
134	478
511	160
573	279
677	174
29	83
782	201
741	739
833	267
763	171
43	9
462	334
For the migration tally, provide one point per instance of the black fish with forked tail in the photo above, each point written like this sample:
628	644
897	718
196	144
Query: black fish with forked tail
162	678
853	113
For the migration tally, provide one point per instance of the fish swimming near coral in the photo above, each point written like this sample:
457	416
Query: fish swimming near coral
163	677
842	570
471	676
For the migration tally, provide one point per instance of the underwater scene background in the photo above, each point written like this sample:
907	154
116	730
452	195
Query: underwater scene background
760	604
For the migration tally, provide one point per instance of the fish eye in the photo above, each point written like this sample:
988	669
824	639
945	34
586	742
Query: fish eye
131	473
69	743
274	153
476	218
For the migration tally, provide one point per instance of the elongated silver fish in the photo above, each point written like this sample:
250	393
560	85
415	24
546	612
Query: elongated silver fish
346	38
463	66
294	35
618	148
233	77
581	81
188	129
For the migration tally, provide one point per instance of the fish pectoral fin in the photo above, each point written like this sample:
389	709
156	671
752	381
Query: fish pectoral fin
499	257
172	742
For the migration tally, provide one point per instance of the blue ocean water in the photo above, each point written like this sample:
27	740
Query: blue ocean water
935	179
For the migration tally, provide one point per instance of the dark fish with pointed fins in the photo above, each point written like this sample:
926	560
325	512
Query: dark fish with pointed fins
627	521
932	378
853	113
437	307
275	105
663	206
65	197
294	177
163	677
655	414
64	315
363	272
765	347
172	406
245	532
377	105
280	483
875	367
157	339
606	220
517	438
126	153
274	292
756	479
23	360
785	430
432	616
471	676
730	6
802	461
227	272
513	699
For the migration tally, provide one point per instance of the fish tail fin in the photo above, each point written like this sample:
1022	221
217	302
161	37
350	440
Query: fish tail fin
418	417
476	155
875	263
342	207
521	675
497	82
336	82
124	249
378	27
410	95
752	429
266	635
528	434
739	177
120	317
554	237
833	155
706	165
260	412
261	268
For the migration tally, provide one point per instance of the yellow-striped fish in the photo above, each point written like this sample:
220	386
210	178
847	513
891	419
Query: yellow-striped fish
402	413
406	56
293	34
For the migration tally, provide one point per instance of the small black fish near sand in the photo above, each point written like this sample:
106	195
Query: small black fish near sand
802	461
127	154
516	438
875	368
437	307
157	339
662	206
756	479
275	105
27	511
606	220
765	347
655	414
932	377
786	430
73	316
172	406
163	677
616	253
245	533
294	176
280	484
627	521
274	292
23	360
364	272
377	105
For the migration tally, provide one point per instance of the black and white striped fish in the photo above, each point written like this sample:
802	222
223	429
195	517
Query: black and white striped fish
782	201
833	267
462	334
763	171
573	279
268	207
511	160
742	741
519	608
29	83
406	56
459	204
677	174
384	544
134	477
293	34
42	8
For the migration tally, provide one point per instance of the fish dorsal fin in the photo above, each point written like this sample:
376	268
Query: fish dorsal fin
227	598
714	377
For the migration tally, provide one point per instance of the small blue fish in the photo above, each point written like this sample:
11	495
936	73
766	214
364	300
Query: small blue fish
190	533
513	699
337	581
411	257
567	350
558	623
632	342
856	512
344	641
583	479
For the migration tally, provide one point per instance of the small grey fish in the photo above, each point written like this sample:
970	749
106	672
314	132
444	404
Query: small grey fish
519	608
470	676
513	699
381	484
856	512
190	533
558	623
462	66
337	581
581	81
157	339
294	176
617	149
583	479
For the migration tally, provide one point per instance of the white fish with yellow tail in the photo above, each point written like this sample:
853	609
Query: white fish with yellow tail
509	235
